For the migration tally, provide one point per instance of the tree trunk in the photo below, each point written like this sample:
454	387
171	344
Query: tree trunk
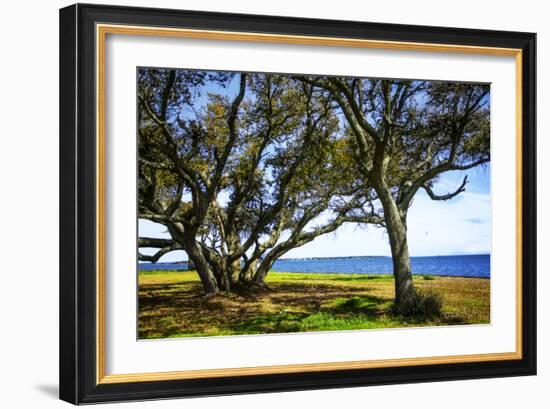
202	266
221	272
265	266
234	271
230	270
247	272
404	289
396	225
186	239
261	273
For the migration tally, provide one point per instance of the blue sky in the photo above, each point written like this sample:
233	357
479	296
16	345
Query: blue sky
457	226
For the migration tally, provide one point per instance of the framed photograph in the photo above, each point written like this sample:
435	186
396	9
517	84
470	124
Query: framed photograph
257	203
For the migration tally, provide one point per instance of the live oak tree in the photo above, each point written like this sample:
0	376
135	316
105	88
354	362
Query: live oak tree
407	133
245	177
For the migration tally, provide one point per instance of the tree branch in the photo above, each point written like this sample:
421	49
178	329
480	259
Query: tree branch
155	257
155	242
352	119
231	120
448	196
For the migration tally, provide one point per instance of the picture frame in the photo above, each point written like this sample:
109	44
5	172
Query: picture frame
83	180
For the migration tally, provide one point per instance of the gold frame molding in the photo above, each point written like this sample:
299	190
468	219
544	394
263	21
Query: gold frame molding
102	30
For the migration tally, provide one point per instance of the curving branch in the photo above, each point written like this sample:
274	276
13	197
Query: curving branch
154	217
165	246
155	257
448	196
155	242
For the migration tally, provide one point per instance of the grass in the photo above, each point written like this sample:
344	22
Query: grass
169	305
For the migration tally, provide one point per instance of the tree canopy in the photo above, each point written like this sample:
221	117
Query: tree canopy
245	178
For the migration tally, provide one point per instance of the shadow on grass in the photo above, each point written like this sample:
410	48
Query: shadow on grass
176	297
358	312
284	321
174	309
366	304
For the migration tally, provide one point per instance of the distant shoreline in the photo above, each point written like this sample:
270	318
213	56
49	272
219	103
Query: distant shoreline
355	257
374	275
338	258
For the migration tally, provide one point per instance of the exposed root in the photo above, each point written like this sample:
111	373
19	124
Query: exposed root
206	296
243	289
264	286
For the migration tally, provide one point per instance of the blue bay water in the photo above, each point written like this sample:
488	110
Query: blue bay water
457	266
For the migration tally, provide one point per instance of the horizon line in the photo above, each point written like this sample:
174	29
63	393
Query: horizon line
336	257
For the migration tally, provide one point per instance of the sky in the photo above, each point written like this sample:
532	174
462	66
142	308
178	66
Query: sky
461	225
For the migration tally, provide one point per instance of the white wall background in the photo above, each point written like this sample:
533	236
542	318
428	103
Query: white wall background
29	203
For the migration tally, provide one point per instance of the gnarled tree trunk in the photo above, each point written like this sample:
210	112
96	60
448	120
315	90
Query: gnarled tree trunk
396	225
248	270
206	275
262	270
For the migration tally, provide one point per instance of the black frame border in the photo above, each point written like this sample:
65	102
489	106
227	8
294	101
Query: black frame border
78	210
